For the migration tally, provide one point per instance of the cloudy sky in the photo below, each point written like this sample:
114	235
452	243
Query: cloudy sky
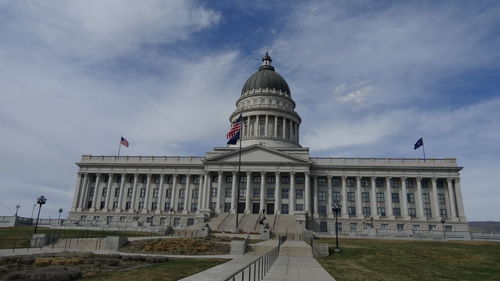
368	77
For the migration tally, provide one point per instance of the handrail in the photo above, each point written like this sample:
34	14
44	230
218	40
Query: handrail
258	268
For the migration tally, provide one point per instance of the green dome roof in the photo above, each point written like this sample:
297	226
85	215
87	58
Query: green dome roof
266	77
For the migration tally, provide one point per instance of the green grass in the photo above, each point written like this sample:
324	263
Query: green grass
21	235
174	269
374	260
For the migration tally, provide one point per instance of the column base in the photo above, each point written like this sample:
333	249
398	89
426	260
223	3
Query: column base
92	210
78	209
118	210
158	212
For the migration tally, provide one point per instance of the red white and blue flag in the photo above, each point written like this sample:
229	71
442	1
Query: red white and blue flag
234	133
124	142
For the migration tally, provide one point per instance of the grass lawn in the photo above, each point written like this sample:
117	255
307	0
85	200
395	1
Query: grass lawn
174	269
23	234
366	259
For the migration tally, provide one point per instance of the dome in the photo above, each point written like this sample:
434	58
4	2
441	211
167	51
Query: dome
266	77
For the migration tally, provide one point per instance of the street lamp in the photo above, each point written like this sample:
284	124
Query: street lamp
336	208
17	208
443	220
40	201
32	212
59	219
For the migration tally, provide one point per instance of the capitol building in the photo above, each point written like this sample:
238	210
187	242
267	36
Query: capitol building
278	182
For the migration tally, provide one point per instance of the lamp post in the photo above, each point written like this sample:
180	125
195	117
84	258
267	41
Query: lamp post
40	201
171	213
59	219
336	208
443	220
32	212
17	208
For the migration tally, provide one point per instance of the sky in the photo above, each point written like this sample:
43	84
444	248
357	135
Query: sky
368	77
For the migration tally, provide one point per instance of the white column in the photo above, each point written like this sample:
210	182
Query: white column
120	194
218	201
460	201
405	198
85	192
78	190
247	198
134	193
256	127
187	190
262	192
359	210
277	194
276	126
290	129
284	127
206	195
330	196
291	197
307	195
233	194
451	196
201	187
315	194
388	200
420	204
96	191
435	202
173	199
267	124
344	198
108	192
296	132
146	196
373	200
161	194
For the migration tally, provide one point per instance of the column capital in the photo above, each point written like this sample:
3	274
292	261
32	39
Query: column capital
419	178
343	178
277	173
434	179
249	173
123	174
358	177
220	173
234	173
262	173
307	173
456	179
403	178
449	180
149	175
292	174
388	178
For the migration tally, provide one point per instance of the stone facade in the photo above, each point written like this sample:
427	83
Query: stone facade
277	176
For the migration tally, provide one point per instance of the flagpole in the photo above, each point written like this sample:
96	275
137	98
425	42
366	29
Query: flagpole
423	145
119	146
239	170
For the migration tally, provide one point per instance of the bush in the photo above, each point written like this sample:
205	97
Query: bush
134	258
51	273
156	259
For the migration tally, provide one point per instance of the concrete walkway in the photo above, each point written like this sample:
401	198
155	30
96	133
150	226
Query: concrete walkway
222	271
297	269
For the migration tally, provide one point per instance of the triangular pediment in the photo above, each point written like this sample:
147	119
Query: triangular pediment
257	154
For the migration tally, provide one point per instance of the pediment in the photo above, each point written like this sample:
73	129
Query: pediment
257	154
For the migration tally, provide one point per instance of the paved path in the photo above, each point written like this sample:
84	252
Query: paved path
222	271
297	269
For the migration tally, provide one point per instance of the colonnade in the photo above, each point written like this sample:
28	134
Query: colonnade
270	126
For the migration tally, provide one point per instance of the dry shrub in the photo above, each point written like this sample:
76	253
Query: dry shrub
43	261
187	246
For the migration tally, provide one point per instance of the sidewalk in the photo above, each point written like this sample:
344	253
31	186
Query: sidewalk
297	269
222	271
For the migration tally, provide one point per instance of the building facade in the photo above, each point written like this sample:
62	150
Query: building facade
277	177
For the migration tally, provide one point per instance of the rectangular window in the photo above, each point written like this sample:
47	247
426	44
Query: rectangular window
270	193
130	179
395	197
284	209
102	205
118	178
256	193
351	211
115	205
142	192
380	197
243	179
242	192
211	205
144	179
440	184
168	193
194	194
412	212
141	205
162	221
410	197
194	207
443	213
299	207
396	212
425	183
196	179
156	179
227	192
170	180
227	207
336	181
394	183
167	206
428	213
367	211
448	228
351	197
155	192
365	196
213	192
441	198
322	210
410	183
432	227
154	205
270	179
379	182
350	182
384	226
177	221
400	227
91	191
381	211
299	194
426	198
365	182
416	227
284	193
127	205
322	196
353	227
299	180
117	192
336	196
180	206
321	181
285	180
215	179
256	179
104	190
182	193
229	179
190	221
183	179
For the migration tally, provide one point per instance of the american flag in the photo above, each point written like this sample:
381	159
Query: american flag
235	128
124	142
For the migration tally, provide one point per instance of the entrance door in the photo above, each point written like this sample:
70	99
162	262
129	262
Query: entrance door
241	207
270	208
255	208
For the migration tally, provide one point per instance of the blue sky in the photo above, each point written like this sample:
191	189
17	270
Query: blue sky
368	77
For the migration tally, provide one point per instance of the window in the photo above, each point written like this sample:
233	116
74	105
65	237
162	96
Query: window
396	212
102	205
365	182
351	211
141	205
177	221
380	197
227	207
256	193
227	192
440	184
321	181
381	211
194	207
168	193
322	210
256	179
299	180
182	193
410	183
243	179
367	211
162	221
410	197
336	196
299	194
441	199
270	193
211	205
130	179
284	208
270	179
350	197
394	183
416	227
115	205
180	206
322	196
155	192
299	207
395	197
127	205
194	194
118	178
412	212
384	226
426	198
190	221
428	213
196	179
229	179
156	179
336	182
117	192
167	206
400	227
379	182
144	179
353	227
432	227
154	206
213	192
425	183
350	182
285	180
91	191
170	180
104	191
142	193
242	191
215	178
183	179
448	228
284	193
365	197
443	213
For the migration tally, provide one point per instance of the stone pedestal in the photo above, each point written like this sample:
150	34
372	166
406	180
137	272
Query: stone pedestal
238	247
265	234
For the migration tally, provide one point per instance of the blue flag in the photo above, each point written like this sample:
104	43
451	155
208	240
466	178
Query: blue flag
419	143
234	139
